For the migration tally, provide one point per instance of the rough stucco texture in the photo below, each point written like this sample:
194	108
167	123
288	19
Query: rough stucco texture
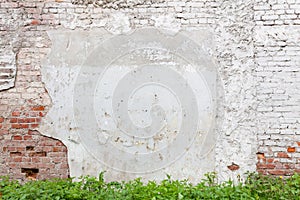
169	82
256	55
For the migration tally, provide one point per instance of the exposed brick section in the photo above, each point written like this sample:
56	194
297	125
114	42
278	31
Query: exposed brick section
22	48
31	150
27	119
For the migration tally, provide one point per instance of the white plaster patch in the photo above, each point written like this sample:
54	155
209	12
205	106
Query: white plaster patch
7	68
118	23
140	105
167	22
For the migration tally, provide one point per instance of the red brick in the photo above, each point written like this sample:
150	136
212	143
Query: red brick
38	154
27	137
57	149
1	119
28	165
21	120
45	159
17	126
17	159
31	120
298	143
34	125
265	166
282	155
58	143
36	159
64	165
20	149
35	22
16	113
12	165
46	143
278	172
17	137
289	166
11	149
41	114
26	159
47	148
31	132
24	126
38	108
26	120
291	149
13	120
233	167
46	165
14	154
57	160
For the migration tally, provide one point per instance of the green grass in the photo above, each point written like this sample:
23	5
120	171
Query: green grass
255	187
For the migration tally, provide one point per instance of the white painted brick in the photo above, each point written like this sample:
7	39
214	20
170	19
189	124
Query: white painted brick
287	132
264	137
273	131
286	160
178	9
279	12
295	6
290	11
278	149
264	109
270	17
270	142
279	97
262	7
279	22
279	7
291	1
290	16
177	3
284	109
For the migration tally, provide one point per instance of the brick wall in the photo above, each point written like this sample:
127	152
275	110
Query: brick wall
277	55
258	50
25	153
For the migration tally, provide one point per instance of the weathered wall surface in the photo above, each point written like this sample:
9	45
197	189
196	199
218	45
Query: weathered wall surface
256	54
24	152
277	56
157	117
